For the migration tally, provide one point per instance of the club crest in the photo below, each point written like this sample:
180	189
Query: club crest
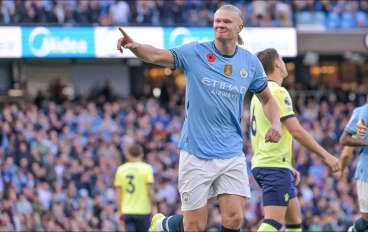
243	73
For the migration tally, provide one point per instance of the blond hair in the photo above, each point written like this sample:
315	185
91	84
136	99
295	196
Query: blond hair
235	9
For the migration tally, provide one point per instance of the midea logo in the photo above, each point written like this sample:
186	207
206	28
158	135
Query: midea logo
56	44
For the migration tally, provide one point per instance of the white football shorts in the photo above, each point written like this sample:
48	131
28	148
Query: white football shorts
362	187
201	179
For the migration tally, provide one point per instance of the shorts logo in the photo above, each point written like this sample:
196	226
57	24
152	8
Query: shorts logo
243	73
185	198
286	196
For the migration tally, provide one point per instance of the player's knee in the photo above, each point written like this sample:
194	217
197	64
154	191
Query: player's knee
233	220
194	225
298	218
295	219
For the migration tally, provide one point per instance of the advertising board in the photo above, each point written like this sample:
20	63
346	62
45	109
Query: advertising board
58	42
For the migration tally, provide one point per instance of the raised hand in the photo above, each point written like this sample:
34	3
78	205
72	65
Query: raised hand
125	41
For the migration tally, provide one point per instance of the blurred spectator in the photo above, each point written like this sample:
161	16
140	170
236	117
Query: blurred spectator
58	161
258	13
119	12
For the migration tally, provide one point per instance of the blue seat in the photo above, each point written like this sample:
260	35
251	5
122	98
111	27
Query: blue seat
304	18
348	20
333	20
249	7
319	17
276	23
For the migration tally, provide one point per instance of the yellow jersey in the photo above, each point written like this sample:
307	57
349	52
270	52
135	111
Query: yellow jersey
132	178
275	155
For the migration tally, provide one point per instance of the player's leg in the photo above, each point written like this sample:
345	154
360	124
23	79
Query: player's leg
362	223
231	207
142	222
293	217
195	179
276	187
129	223
232	189
273	218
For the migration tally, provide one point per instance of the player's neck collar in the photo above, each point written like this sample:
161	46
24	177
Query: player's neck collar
272	81
219	53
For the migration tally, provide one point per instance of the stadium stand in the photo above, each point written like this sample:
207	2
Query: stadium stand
331	14
58	157
59	170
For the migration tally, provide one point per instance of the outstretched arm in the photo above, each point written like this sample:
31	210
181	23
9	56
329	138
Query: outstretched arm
304	138
145	52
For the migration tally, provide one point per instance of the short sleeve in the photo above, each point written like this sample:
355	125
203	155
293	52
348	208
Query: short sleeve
182	54
284	103
259	82
149	175
351	126
118	179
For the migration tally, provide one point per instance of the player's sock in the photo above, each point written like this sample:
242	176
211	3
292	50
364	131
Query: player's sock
173	223
224	229
294	228
360	225
269	225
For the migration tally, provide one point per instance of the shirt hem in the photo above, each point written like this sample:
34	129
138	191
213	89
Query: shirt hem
212	158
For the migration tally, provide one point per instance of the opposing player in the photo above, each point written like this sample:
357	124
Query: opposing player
348	138
218	74
135	196
271	163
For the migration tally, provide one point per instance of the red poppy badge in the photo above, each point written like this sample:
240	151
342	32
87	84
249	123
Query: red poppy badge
210	57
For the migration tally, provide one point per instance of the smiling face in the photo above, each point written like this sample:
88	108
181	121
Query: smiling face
227	24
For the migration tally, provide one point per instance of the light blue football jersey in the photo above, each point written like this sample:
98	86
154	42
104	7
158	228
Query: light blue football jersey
361	172
215	88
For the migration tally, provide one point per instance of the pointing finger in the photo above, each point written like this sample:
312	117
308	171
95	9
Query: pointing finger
124	33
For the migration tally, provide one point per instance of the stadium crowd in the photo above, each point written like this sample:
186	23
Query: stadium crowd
58	160
178	12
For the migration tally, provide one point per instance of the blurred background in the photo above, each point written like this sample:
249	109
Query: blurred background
70	103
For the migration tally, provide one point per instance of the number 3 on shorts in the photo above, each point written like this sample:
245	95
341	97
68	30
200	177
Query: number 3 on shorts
253	126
